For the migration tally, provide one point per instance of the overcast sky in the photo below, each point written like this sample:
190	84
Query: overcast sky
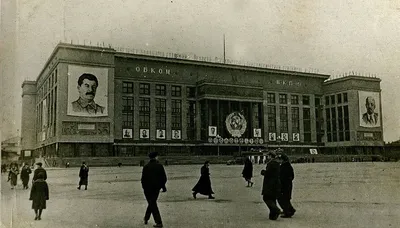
333	36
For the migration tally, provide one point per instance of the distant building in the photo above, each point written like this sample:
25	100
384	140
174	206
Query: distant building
11	149
181	106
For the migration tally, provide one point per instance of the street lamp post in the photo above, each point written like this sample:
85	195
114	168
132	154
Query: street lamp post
218	137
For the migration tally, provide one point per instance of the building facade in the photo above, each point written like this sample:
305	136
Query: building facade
140	103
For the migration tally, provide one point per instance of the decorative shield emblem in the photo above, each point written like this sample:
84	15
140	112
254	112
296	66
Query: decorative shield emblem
246	140
251	141
236	140
210	140
226	140
261	141
231	140
236	124
241	140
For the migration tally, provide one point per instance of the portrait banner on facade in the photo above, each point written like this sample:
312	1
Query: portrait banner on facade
176	134
160	134
257	132
144	133
272	136
296	137
369	109
87	91
212	131
127	133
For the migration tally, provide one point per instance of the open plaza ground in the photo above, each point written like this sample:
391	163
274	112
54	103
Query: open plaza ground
325	195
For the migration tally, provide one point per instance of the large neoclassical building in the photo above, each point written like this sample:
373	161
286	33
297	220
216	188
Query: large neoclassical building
96	101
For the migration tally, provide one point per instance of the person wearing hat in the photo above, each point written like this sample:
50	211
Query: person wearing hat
203	186
286	177
39	195
83	176
153	180
271	185
38	170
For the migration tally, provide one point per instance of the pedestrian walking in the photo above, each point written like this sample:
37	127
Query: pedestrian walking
286	177
153	180
25	172
13	175
248	172
271	185
38	170
39	195
203	186
83	175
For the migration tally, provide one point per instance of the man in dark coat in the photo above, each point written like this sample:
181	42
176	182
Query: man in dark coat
38	170
39	195
271	185
83	175
248	172
203	186
286	176
153	180
25	175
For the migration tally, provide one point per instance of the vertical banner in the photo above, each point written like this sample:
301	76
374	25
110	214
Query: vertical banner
87	91
369	106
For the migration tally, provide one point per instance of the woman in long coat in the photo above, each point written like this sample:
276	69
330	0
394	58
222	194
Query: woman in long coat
13	175
203	186
248	172
83	175
25	175
39	195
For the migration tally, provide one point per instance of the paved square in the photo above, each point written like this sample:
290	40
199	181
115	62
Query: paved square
325	195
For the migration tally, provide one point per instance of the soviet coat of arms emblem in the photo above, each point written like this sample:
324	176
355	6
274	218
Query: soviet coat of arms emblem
236	124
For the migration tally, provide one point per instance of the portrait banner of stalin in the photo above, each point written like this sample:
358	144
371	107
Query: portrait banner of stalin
87	91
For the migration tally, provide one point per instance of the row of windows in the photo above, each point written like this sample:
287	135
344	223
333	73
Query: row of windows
336	99
160	90
160	114
47	86
337	124
283	99
283	114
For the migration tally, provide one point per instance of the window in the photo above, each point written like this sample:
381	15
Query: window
283	113
271	112
326	100
127	87
282	98
160	90
340	123
191	120
295	120
333	99
345	97
176	106
176	91
190	92
339	98
334	127
144	89
127	104
161	116
271	98
346	123
306	100
307	124
294	99
328	124
127	119
317	101
144	112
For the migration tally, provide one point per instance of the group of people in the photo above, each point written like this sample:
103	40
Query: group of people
277	185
